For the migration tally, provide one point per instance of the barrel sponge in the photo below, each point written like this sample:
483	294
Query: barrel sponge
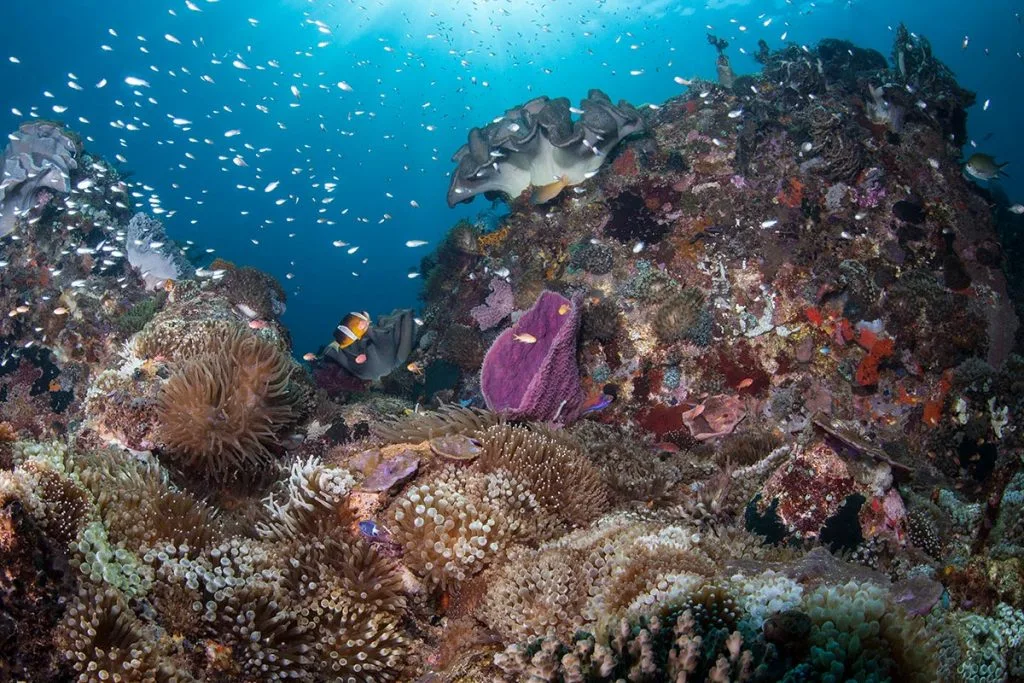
538	142
221	412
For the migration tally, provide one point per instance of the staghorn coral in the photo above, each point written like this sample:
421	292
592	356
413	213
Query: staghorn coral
567	487
221	412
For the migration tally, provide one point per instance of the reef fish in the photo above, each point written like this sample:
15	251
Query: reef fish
596	403
984	167
351	329
525	338
545	193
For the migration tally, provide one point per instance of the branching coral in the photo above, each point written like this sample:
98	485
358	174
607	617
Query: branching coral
221	412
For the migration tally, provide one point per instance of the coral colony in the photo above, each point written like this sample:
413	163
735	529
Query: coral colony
738	399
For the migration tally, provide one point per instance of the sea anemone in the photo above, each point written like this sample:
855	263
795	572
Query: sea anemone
680	317
220	412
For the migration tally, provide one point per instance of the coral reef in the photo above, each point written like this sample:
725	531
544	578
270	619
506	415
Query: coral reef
754	414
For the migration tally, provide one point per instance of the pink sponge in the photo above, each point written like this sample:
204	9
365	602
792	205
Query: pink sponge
538	380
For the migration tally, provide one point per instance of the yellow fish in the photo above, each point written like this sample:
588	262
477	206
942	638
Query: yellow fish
525	337
545	193
351	329
563	309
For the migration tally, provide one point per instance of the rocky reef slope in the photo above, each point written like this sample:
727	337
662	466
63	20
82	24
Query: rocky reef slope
754	401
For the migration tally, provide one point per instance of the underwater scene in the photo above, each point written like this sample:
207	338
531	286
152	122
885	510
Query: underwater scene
511	341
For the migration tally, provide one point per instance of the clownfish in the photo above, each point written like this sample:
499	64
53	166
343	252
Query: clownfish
351	329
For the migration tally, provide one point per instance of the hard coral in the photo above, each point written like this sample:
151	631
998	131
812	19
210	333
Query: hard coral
221	412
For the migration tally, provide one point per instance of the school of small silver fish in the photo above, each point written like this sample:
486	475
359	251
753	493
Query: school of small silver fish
233	134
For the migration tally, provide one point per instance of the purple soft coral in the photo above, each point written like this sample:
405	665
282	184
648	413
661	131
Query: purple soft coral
536	380
496	307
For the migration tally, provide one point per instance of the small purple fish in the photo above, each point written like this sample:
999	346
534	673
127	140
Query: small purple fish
597	403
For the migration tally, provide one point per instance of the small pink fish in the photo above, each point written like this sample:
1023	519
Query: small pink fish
259	324
361	358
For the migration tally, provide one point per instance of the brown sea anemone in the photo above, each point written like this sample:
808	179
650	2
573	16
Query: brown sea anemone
220	412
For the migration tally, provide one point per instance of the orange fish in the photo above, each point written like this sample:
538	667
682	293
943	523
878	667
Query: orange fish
351	329
545	193
259	324
525	337
745	383
360	359
309	357
415	368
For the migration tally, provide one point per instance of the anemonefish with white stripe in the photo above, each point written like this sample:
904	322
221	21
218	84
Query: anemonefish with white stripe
351	329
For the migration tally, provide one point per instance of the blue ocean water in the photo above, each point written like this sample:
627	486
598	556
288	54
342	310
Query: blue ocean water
416	77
